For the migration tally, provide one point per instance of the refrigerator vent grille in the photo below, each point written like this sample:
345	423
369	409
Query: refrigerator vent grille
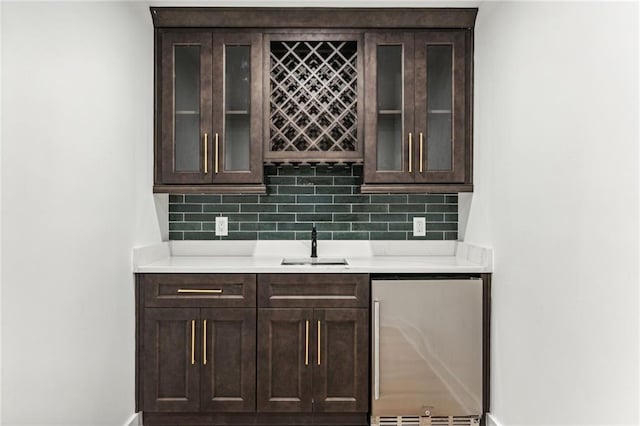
425	421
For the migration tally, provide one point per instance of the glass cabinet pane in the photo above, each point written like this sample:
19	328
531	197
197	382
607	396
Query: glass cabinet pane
186	86
237	107
439	107
390	97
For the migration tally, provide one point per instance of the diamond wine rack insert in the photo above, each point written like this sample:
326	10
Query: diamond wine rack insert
313	100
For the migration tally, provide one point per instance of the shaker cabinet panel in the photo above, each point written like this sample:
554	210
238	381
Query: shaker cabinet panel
228	368
340	382
170	349
284	360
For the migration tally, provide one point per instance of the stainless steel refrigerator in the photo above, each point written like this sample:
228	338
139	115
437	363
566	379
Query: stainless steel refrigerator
427	352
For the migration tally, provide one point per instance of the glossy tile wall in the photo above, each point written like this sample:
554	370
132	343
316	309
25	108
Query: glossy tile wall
328	196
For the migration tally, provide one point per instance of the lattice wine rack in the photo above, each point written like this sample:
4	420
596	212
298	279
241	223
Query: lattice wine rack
314	101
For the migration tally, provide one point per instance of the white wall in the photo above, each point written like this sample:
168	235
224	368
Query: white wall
1	216
557	189
76	191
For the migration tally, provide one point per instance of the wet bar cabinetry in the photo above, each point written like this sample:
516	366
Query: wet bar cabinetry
240	87
252	349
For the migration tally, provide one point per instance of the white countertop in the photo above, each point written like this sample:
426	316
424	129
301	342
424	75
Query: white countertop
394	257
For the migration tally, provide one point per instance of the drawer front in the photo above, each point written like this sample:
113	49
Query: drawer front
199	290
313	290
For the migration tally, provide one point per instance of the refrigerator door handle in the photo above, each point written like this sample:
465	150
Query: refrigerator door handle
376	350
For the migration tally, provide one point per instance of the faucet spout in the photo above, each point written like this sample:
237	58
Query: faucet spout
314	242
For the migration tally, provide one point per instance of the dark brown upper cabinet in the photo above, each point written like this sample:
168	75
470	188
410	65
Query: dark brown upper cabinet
240	87
417	118
209	135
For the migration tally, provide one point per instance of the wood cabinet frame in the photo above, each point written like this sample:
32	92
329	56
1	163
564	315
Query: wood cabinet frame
312	156
321	21
460	177
212	122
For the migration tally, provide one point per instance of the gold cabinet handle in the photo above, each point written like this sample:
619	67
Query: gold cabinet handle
206	153
306	344
318	342
193	342
204	342
216	155
421	148
200	291
410	153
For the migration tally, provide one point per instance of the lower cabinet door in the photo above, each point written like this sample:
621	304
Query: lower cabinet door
171	370
341	365
285	353
228	360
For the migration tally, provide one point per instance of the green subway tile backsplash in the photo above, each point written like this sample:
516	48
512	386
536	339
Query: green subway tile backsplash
328	196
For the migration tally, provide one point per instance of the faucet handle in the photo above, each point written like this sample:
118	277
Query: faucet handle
314	242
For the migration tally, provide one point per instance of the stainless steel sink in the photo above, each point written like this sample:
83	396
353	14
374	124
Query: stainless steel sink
325	261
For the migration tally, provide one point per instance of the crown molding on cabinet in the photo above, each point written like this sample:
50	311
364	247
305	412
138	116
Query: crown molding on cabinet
309	17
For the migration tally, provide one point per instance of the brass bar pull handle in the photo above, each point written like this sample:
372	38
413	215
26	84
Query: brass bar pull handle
206	153
200	291
410	153
319	342
193	342
421	149
204	342
376	350
216	155
306	344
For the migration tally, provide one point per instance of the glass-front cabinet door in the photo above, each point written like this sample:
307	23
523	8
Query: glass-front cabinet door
416	101
389	94
237	137
210	128
440	122
186	107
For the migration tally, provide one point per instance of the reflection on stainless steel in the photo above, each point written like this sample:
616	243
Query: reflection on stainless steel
427	347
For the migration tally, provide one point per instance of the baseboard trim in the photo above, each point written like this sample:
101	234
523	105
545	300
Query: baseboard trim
492	421
134	420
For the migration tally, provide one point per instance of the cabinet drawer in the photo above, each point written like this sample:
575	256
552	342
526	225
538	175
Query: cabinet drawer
313	290
199	290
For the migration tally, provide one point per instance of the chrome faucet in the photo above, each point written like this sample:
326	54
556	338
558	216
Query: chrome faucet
314	242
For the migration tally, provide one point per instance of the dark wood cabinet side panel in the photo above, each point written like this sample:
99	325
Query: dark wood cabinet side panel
171	381
341	367
313	290
469	49
138	356
228	379
486	343
284	360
